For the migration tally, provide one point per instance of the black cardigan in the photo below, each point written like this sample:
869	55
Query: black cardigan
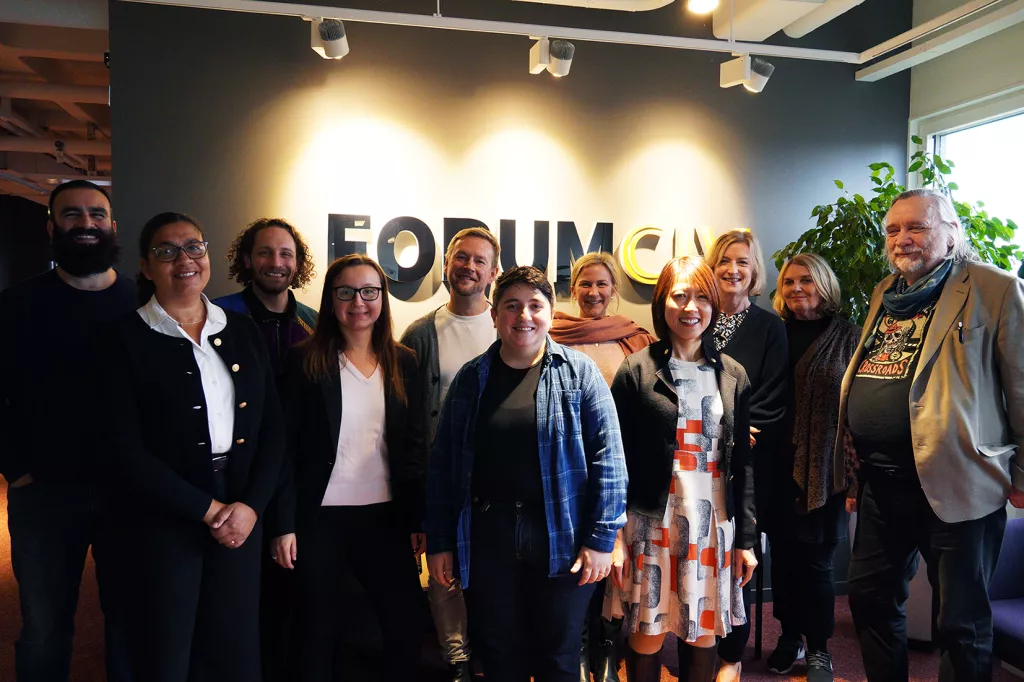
761	346
161	434
648	409
313	415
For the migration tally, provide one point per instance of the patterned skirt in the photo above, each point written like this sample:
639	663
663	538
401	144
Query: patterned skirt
679	575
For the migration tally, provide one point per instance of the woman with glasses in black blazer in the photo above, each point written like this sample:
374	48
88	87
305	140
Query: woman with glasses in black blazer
355	419
198	438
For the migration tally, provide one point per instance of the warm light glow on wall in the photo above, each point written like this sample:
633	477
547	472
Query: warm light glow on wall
701	6
370	147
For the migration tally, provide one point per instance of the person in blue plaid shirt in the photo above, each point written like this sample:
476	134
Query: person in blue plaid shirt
527	468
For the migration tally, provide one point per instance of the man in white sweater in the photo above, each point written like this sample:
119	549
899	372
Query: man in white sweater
444	340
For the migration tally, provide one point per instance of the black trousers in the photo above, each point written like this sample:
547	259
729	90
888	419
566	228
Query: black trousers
804	589
277	617
523	620
52	526
195	603
369	543
896	525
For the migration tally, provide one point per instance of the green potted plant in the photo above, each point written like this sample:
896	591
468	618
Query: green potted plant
850	233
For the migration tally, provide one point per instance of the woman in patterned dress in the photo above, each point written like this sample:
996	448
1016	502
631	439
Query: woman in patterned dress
684	411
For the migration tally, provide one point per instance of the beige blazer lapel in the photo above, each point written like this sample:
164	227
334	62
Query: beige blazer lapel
951	301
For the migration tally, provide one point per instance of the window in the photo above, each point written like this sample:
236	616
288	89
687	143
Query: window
988	167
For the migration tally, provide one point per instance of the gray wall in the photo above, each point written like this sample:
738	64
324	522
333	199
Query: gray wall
205	107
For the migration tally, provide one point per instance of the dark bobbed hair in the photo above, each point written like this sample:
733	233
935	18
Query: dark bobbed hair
245	242
143	284
523	274
327	341
77	184
691	269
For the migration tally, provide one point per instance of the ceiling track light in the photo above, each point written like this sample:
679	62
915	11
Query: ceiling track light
553	56
327	38
750	72
702	6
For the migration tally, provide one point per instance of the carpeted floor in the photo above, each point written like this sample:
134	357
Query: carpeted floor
88	653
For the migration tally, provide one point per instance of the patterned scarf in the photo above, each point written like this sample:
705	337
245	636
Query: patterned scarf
902	300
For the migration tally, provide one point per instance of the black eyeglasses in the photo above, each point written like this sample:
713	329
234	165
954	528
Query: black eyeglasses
365	293
168	253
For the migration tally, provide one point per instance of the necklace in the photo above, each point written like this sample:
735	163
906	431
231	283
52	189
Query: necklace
193	322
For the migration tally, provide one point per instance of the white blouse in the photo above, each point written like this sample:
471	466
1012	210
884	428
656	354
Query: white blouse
218	388
360	475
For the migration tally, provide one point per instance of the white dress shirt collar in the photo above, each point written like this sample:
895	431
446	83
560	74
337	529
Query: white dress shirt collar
157	318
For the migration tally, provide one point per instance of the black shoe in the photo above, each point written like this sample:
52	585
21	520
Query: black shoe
460	672
584	666
787	652
606	664
819	667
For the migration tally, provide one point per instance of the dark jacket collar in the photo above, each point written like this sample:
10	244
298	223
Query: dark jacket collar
259	311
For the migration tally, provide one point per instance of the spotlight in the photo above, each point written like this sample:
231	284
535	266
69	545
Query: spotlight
751	73
701	6
327	38
554	56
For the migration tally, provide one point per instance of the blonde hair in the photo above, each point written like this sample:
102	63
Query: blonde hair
731	237
481	233
684	269
824	280
595	258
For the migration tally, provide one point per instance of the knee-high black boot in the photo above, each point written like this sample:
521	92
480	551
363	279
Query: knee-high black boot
642	667
698	664
605	662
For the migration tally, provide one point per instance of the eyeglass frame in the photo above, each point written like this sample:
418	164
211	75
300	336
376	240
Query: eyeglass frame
181	249
354	290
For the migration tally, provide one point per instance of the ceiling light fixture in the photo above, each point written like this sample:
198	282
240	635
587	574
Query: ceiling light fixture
702	6
327	38
751	73
553	56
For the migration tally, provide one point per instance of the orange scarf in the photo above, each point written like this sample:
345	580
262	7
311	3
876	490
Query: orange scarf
575	331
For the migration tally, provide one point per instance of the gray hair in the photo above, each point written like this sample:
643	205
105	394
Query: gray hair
960	249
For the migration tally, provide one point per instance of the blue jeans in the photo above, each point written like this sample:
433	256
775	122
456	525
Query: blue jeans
52	526
523	621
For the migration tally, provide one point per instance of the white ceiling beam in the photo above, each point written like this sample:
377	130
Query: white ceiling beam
979	28
510	28
44	146
93	94
54	179
48	38
50	53
927	28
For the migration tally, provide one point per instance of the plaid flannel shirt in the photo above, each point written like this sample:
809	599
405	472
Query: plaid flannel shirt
583	470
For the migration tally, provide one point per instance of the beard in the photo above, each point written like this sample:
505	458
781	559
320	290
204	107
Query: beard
466	288
273	285
83	260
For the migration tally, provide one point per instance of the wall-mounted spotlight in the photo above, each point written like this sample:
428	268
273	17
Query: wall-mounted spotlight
701	6
554	56
751	73
327	38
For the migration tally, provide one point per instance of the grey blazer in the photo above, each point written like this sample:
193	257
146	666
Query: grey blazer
967	395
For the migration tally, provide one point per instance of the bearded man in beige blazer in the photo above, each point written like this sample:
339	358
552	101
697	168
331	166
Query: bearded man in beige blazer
934	401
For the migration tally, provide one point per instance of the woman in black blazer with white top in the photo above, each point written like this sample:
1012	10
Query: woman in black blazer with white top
356	487
198	440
